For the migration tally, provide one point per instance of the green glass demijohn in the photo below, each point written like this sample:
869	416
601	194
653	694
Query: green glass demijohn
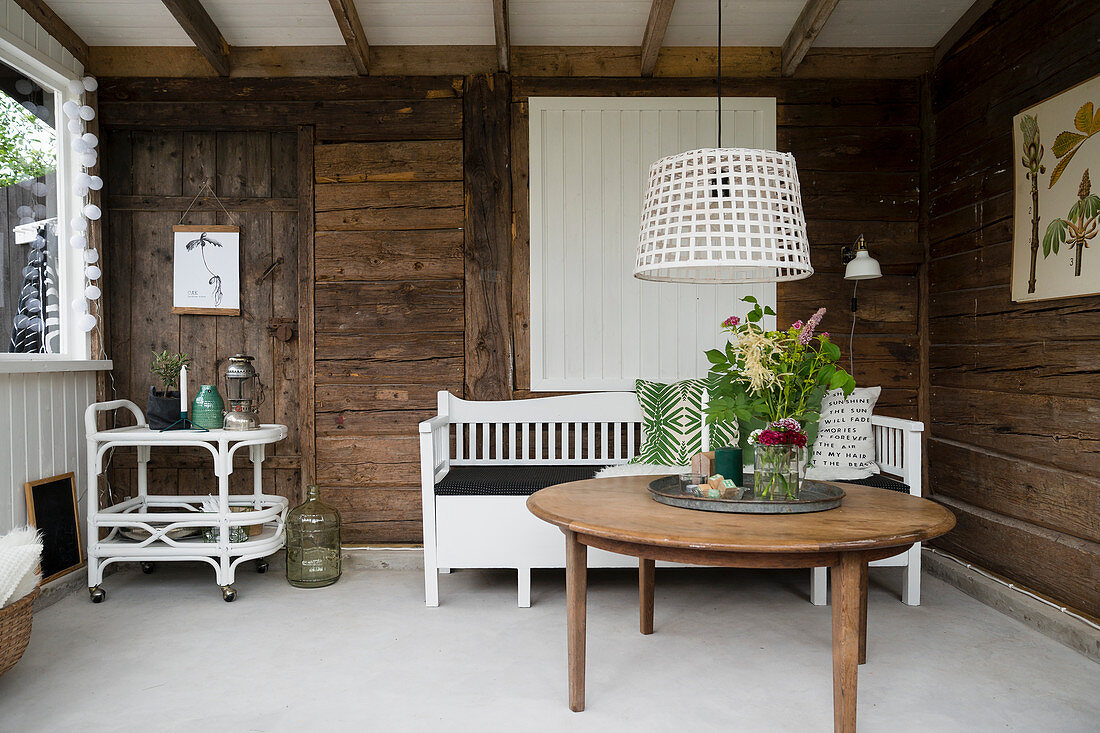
312	543
208	409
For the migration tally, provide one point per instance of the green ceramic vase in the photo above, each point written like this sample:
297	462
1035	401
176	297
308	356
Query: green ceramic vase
207	409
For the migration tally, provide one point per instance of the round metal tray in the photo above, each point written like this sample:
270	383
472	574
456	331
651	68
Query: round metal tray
815	497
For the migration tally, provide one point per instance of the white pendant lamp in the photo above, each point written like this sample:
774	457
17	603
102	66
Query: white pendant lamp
723	215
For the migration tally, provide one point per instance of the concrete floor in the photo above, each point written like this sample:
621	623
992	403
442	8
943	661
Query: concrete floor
733	651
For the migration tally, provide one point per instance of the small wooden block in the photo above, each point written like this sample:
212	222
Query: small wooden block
703	463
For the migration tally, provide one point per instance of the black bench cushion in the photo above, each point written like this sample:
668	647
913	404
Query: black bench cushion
879	482
509	480
526	480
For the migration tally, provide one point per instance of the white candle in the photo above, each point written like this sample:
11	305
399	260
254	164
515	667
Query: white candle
183	390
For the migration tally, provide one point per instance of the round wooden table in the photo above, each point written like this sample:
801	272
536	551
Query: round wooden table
618	515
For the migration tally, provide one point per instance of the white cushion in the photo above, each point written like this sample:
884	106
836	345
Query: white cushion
641	469
845	445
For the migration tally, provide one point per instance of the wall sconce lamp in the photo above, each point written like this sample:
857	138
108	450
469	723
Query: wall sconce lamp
860	264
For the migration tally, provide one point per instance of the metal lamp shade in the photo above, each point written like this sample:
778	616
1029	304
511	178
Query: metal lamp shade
723	215
862	267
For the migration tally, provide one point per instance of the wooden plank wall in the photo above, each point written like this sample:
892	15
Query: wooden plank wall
1015	444
857	146
389	312
152	176
420	263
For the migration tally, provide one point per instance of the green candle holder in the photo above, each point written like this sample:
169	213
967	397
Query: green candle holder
728	463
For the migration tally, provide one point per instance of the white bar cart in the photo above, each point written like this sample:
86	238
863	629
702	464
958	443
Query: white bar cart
159	521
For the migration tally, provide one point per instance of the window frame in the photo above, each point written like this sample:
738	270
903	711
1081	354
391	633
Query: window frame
75	344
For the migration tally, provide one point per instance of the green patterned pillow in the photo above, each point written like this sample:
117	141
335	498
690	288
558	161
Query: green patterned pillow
672	419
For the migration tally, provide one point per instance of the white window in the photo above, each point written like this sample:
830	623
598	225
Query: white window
593	325
42	277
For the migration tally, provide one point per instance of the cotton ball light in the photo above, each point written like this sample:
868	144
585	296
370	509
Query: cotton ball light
87	113
92	292
91	256
89	139
87	322
78	241
79	224
24	211
92	272
40	189
44	112
26	220
90	83
80	191
80	305
40	211
76	87
71	109
24	86
95	183
75	126
78	145
93	212
88	159
30	106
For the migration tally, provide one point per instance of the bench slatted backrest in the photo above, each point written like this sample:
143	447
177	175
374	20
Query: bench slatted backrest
599	428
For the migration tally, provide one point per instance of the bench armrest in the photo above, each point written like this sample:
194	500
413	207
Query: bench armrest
436	423
911	426
97	407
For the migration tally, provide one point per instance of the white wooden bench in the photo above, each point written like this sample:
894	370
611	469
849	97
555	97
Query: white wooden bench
475	529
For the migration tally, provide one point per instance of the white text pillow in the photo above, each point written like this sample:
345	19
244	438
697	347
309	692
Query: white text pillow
845	445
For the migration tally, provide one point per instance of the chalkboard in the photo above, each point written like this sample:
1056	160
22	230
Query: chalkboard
51	508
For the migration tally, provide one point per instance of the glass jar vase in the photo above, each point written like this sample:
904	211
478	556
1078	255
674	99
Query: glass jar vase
778	471
312	543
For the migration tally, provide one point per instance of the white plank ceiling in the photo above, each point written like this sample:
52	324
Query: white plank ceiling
892	23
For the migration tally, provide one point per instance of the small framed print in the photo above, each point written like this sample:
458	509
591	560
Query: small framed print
206	270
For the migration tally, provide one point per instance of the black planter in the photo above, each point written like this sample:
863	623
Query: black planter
163	410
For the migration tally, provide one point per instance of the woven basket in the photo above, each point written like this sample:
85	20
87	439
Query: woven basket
15	630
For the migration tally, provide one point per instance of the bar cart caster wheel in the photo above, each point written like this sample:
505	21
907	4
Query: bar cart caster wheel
261	566
98	594
148	568
229	593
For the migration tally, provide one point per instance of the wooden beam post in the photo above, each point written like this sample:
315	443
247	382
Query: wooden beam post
654	35
810	22
500	23
306	335
196	22
42	14
957	31
351	28
488	236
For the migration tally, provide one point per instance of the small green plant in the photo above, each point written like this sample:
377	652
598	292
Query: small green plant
167	368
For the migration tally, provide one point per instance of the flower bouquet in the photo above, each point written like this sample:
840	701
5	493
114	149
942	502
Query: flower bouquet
780	465
767	376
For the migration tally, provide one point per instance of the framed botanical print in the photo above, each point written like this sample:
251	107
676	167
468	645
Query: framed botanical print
1056	149
206	270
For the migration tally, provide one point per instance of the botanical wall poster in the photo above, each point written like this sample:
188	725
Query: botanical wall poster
207	270
1057	206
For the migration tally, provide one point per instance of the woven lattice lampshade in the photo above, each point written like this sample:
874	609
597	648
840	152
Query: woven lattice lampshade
723	215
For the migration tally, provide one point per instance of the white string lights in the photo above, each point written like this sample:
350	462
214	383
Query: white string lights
84	145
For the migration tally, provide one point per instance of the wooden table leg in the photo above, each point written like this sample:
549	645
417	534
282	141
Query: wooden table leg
863	613
645	595
576	593
847	597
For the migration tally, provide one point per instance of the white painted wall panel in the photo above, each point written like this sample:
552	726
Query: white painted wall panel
593	326
41	434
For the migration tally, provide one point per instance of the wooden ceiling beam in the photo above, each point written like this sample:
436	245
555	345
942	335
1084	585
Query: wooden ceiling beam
810	21
504	46
351	28
51	22
202	31
654	36
957	31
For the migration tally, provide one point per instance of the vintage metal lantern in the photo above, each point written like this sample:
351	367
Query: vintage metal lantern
312	543
244	394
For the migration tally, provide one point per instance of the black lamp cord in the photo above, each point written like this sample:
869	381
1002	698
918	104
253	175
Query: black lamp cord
719	75
852	335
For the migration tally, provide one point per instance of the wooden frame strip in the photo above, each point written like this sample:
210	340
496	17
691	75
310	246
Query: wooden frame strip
654	35
351	28
306	352
809	23
196	22
500	25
